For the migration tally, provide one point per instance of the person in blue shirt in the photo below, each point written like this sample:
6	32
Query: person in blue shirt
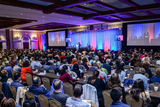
155	78
116	95
17	78
8	68
35	63
46	66
36	87
17	67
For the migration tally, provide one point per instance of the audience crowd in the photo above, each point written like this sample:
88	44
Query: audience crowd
121	73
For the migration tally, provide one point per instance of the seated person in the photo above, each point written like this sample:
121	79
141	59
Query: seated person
141	75
36	63
65	77
17	67
75	101
57	95
8	68
45	66
155	78
17	78
4	75
36	87
116	95
64	63
30	103
9	102
76	70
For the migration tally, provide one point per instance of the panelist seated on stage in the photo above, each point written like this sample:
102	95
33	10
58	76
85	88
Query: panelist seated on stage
88	45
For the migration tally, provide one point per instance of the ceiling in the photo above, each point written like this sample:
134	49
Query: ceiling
78	12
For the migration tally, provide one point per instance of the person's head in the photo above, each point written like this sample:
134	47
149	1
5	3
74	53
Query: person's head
84	60
158	72
37	81
7	63
2	96
108	61
26	64
4	73
78	91
64	69
75	67
43	62
114	81
74	60
17	76
142	71
9	102
36	58
64	61
137	88
30	103
117	62
116	94
146	65
57	85
95	75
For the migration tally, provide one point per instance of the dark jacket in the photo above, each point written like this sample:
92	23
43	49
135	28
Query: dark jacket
37	90
99	85
60	97
6	90
16	84
107	67
149	72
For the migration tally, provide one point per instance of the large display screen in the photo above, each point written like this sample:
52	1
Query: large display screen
57	38
143	34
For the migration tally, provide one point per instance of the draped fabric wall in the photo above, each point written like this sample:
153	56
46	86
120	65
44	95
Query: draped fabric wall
98	39
42	42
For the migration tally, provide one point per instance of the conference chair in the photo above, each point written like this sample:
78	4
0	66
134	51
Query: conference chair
0	86
29	79
30	95
46	83
130	101
107	98
127	67
30	67
36	67
54	103
12	71
43	100
42	69
147	75
87	75
153	70
136	68
13	92
68	87
51	71
72	74
82	67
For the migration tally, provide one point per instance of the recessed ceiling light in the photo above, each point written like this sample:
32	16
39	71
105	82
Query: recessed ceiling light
60	19
43	20
74	21
21	14
27	18
43	16
7	16
71	16
29	9
63	0
52	13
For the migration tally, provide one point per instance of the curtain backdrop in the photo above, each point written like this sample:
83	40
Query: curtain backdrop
98	39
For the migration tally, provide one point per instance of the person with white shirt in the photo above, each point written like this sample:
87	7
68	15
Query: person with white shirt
120	73
36	63
64	63
75	101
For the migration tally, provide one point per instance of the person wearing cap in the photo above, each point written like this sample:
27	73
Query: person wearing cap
116	95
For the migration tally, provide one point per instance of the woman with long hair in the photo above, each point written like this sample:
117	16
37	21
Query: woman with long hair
138	92
114	81
97	83
65	77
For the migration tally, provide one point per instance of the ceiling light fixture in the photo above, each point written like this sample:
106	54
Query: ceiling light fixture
7	16
21	14
43	16
43	20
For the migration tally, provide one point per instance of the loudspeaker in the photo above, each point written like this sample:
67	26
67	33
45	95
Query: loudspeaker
1	47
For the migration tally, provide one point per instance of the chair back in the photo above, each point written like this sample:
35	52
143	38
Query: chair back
46	83
107	98
30	95
29	79
88	75
130	101
136	68
0	86
127	67
72	74
36	67
42	69
43	100
90	92
152	69
71	66
68	87
147	75
12	71
51	71
131	72
82	67
92	68
54	103
13	92
30	67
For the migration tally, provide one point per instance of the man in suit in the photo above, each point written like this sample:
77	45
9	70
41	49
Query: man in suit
57	95
116	95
